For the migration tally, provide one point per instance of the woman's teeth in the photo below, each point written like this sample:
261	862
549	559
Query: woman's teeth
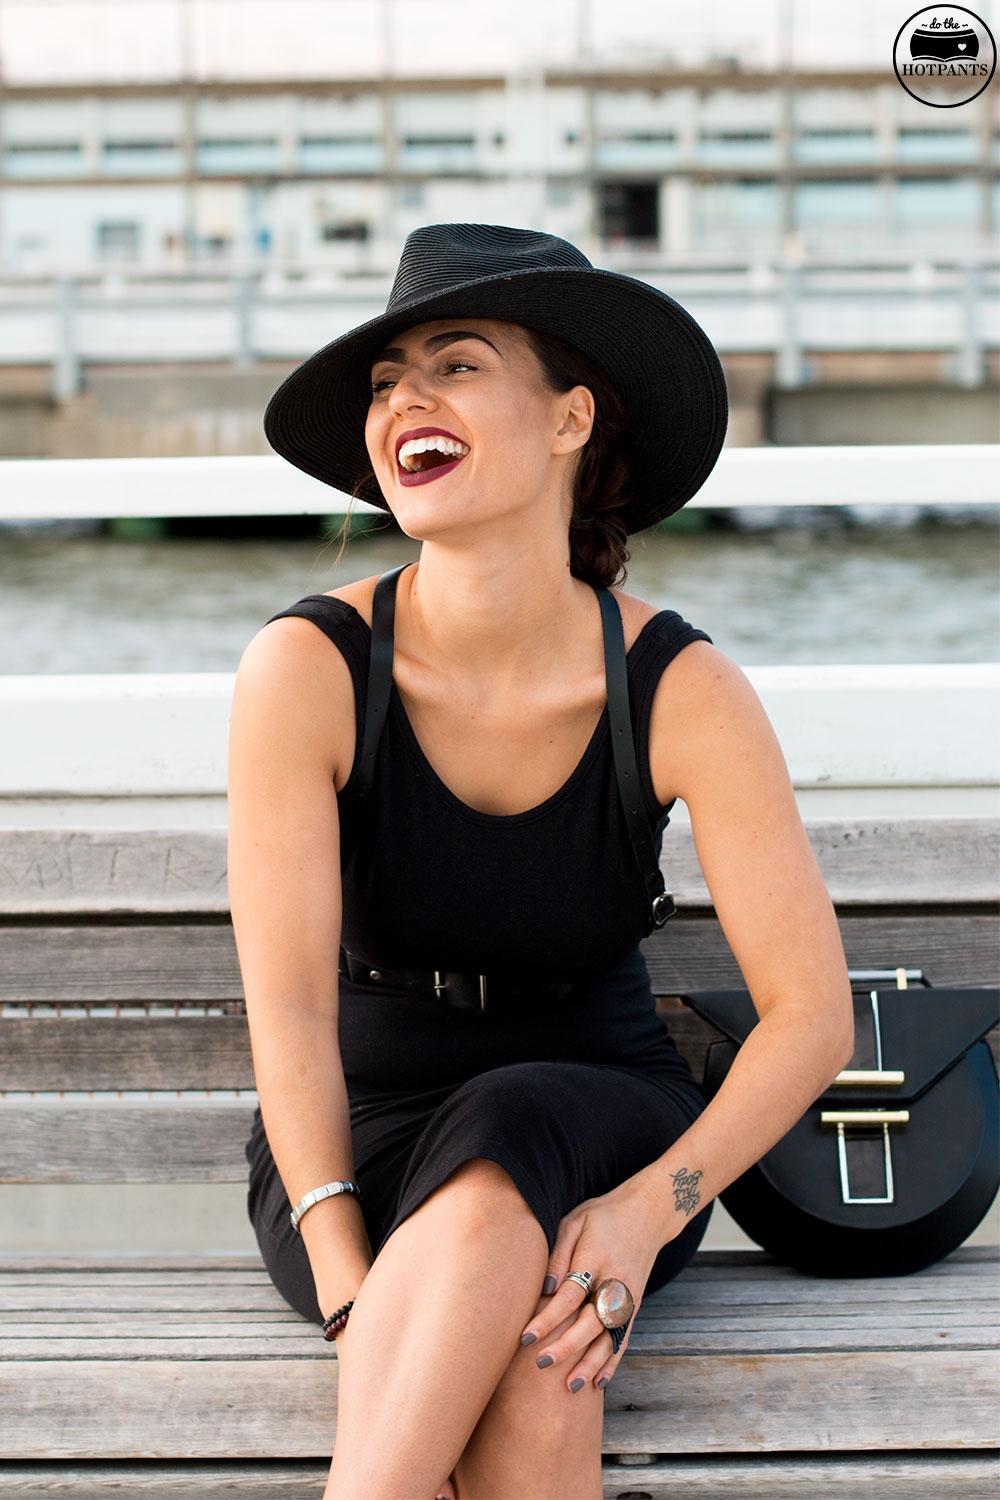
410	453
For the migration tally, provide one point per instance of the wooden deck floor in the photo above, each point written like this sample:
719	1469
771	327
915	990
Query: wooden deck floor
742	1378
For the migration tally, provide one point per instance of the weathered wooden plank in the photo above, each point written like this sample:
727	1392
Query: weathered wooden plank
715	1264
930	1476
263	1480
196	1051
830	1401
113	870
698	1404
179	962
691	953
51	1343
895	1477
126	1052
119	962
869	860
110	1140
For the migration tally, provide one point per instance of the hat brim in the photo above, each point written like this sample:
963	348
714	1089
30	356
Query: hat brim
658	357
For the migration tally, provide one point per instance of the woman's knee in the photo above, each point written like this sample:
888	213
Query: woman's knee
478	1199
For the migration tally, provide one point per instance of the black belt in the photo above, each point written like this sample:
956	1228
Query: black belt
482	992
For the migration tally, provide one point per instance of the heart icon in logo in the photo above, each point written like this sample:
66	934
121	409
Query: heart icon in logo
962	46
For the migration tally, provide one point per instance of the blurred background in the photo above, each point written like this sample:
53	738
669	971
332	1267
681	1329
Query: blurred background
196	194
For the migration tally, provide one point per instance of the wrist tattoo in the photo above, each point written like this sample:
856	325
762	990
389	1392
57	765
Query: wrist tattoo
686	1194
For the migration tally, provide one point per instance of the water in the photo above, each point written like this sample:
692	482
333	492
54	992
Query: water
926	592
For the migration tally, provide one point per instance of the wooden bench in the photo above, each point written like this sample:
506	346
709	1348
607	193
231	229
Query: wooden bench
125	1058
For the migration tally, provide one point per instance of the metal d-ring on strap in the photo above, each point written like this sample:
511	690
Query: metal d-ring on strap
619	716
626	769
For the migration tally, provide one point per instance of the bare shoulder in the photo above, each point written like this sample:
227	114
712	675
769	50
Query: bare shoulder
358	595
708	727
635	614
293	700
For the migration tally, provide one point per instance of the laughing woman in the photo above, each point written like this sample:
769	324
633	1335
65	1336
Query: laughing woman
478	1146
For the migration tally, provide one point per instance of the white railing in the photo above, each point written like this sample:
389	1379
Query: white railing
164	734
150	749
947	303
927	474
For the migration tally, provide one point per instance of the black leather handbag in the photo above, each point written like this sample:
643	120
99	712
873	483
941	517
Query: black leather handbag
895	1165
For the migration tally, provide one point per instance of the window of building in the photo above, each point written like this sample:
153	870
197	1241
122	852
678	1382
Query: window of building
347	229
339	140
141	157
43	158
410	195
940	201
250	154
417	141
835	144
118	239
630	212
838	134
340	153
730	136
657	137
137	148
935	143
837	201
737	206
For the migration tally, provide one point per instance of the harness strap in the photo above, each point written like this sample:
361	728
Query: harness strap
379	676
622	742
626	766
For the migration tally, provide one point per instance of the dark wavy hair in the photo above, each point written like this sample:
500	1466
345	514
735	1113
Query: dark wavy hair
602	479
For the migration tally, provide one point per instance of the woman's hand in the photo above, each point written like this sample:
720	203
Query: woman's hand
618	1235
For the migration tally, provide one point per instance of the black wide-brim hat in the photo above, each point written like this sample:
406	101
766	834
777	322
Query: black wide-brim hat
660	360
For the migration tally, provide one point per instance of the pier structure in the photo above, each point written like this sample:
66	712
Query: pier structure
180	246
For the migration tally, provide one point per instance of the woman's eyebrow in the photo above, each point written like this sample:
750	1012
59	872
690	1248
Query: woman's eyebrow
436	342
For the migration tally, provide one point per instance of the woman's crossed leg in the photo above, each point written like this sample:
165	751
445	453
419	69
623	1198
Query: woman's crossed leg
433	1378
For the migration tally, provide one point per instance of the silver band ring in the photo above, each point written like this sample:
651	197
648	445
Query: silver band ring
582	1278
613	1303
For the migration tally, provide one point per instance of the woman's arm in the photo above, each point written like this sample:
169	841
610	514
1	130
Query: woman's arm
291	743
711	745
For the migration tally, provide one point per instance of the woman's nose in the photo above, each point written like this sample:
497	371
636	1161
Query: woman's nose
410	390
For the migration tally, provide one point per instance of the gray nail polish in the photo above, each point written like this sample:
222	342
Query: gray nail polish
577	1384
528	1338
544	1360
603	1382
548	1285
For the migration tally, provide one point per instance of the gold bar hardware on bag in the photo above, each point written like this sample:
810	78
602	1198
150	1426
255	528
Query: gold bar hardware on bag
863	1078
864	1118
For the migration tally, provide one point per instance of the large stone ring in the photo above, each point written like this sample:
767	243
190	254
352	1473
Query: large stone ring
613	1303
582	1278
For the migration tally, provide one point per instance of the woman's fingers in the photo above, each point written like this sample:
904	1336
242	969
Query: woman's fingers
567	1298
572	1341
559	1261
594	1365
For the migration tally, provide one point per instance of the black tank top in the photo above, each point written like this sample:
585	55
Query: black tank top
430	883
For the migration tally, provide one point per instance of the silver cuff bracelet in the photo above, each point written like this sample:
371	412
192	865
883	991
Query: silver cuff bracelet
328	1190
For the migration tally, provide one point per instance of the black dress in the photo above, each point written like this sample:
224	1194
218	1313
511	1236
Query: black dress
570	1097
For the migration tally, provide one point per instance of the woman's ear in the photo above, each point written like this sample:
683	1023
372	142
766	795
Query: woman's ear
577	420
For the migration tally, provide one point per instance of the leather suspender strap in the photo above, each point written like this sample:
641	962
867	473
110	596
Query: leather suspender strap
626	767
379	676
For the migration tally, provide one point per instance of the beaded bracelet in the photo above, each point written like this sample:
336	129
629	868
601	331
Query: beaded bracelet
337	1321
